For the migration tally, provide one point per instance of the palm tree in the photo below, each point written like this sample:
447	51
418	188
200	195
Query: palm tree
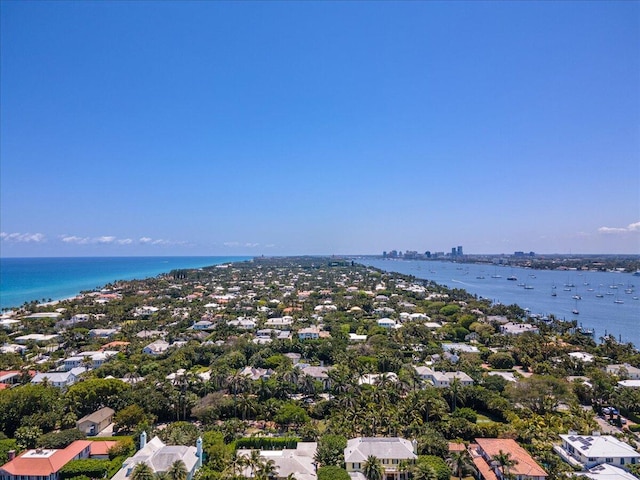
142	471
178	471
372	468
459	463
505	461
267	469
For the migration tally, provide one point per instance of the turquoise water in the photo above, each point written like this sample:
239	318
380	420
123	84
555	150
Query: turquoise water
597	305
26	279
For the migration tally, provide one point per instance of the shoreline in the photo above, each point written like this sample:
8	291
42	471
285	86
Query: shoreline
64	278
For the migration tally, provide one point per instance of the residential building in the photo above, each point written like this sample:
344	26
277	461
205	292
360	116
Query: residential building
43	464
443	379
102	332
59	379
605	471
512	328
391	451
587	451
156	348
298	462
525	467
629	372
95	422
387	323
159	457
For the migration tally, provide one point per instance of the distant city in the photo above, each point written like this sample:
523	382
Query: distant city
602	262
456	253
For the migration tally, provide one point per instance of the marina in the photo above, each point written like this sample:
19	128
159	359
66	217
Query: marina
606	303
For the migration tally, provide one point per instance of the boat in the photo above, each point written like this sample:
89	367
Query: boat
512	277
528	287
577	297
636	273
554	294
480	277
575	311
599	295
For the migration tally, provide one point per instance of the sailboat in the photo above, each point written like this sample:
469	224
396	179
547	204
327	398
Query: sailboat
575	311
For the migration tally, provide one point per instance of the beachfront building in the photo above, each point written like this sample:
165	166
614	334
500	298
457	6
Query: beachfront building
587	451
484	451
159	457
391	451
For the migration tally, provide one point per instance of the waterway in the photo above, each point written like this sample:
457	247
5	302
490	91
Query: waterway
609	302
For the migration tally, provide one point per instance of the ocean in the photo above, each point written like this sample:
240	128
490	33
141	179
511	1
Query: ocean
609	302
27	279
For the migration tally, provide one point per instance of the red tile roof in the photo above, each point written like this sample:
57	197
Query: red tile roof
525	466
46	463
101	448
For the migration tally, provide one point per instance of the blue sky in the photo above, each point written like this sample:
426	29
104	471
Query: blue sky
219	128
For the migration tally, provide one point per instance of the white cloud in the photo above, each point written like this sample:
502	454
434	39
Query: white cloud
23	237
145	240
108	239
632	227
76	240
125	241
231	244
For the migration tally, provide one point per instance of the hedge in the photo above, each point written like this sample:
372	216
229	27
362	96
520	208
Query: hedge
267	443
90	467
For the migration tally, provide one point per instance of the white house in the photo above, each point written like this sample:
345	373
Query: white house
443	379
298	462
203	325
391	451
588	451
145	311
156	348
628	371
605	471
159	457
279	323
512	328
386	323
59	379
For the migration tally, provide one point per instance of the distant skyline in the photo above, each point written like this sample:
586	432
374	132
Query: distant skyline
282	128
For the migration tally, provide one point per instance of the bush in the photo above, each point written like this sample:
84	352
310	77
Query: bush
5	446
60	439
501	360
438	464
332	472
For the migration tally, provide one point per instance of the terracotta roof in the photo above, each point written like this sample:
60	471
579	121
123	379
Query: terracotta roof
484	469
101	448
456	447
44	462
525	466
